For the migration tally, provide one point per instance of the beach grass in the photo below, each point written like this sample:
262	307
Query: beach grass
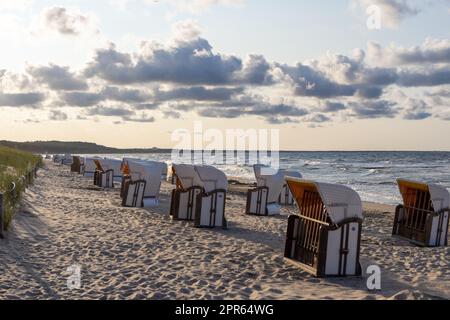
14	164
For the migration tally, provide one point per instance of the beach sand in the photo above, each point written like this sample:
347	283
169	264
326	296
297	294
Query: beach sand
141	254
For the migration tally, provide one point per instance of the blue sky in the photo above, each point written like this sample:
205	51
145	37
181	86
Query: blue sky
317	70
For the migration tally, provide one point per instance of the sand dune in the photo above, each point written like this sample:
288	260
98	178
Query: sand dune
141	254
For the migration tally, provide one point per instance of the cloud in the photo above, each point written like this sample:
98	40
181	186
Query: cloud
373	109
122	111
81	99
425	78
330	106
431	51
21	99
198	94
198	6
416	110
187	60
86	99
57	115
392	11
57	77
66	22
310	82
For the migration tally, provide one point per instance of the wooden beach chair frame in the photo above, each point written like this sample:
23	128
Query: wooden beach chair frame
211	202
102	178
314	242
183	203
76	165
416	220
133	193
259	201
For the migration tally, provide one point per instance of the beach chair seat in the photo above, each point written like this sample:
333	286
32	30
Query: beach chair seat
324	239
423	218
263	200
184	196
286	198
210	203
136	171
102	178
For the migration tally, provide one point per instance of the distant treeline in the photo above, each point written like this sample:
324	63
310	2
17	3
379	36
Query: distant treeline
56	147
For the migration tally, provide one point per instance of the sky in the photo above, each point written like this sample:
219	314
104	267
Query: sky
329	75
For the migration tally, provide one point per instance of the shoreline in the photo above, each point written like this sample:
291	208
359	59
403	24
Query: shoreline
131	253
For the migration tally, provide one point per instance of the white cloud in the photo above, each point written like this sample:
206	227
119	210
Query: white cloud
392	11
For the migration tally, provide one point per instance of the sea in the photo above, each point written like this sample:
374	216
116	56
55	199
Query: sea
372	174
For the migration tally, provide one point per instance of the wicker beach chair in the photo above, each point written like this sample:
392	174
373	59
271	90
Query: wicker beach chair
184	197
77	165
141	183
103	178
263	200
286	198
324	239
423	218
210	204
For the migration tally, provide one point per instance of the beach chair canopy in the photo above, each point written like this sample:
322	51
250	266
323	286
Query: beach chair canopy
340	202
293	174
186	176
439	195
89	165
274	181
149	171
111	164
212	178
162	165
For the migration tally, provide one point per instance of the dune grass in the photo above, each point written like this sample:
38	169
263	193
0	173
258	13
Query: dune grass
14	164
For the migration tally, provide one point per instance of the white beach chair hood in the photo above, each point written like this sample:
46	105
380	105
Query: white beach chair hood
274	182
187	175
149	171
212	178
340	201
439	196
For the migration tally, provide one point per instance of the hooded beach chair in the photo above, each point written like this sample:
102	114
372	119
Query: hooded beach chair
141	183
76	165
103	178
263	200
424	216
324	239
210	204
184	196
89	166
286	198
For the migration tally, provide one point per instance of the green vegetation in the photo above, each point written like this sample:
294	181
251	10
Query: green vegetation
56	147
14	164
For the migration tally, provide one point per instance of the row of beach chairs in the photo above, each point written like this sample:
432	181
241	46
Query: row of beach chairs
323	238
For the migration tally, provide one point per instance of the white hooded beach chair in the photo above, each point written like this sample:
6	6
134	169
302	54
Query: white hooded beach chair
107	170
141	183
210	204
424	216
114	165
324	239
286	198
263	200
184	196
77	164
89	166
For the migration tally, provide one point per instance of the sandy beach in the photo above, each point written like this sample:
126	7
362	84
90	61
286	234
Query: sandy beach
141	254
